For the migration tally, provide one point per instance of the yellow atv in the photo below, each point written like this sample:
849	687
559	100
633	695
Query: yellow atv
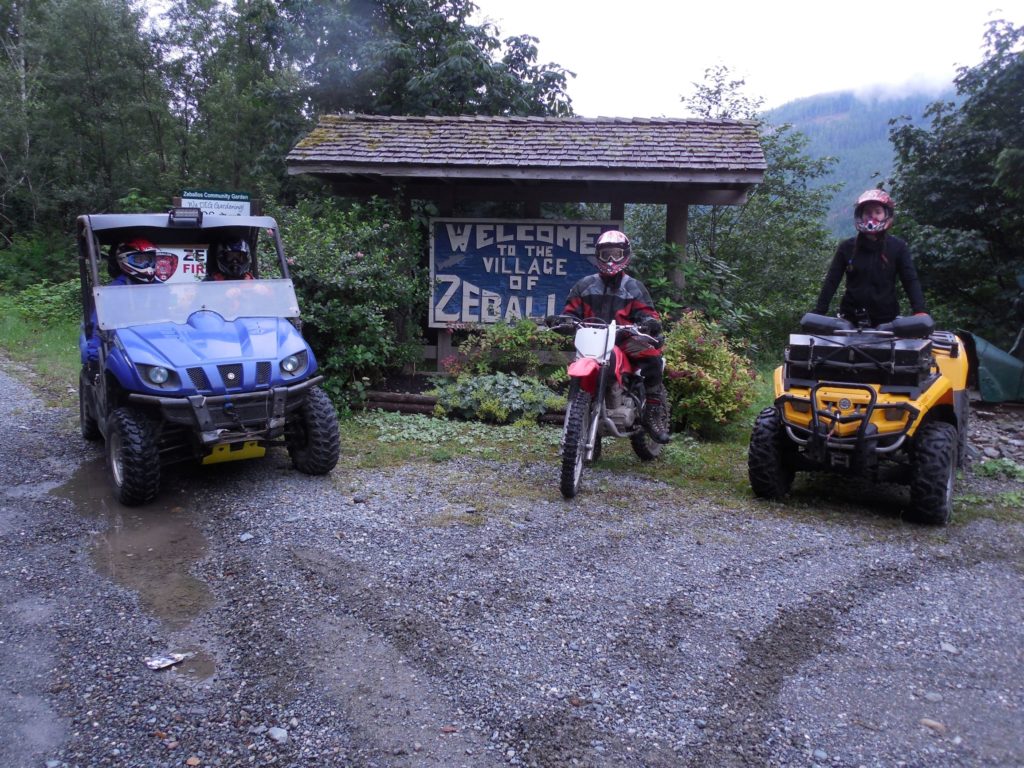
887	403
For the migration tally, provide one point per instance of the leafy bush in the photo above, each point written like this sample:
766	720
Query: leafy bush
507	348
360	285
708	383
496	398
48	303
35	258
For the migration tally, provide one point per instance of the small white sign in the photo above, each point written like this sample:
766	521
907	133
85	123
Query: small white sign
216	203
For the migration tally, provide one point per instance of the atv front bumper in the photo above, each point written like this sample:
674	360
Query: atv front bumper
220	419
840	420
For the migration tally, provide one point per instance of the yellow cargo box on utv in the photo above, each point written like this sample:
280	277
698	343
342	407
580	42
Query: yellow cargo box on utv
887	403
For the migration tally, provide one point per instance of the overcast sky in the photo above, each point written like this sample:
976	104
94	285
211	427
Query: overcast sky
635	58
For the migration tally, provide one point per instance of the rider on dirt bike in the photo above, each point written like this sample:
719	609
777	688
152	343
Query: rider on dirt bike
611	294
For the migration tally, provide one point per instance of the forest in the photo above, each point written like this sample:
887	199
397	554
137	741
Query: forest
107	109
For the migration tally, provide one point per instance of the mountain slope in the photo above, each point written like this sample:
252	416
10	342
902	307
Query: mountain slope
854	130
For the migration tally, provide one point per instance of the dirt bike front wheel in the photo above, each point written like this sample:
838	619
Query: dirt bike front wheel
574	442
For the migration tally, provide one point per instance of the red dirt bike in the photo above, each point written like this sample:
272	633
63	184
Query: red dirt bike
606	397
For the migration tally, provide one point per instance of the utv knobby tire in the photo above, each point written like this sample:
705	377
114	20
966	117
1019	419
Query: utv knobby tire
133	456
86	421
311	434
933	474
574	442
646	448
770	457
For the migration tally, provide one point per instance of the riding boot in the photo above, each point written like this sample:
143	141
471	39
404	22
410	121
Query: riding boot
655	420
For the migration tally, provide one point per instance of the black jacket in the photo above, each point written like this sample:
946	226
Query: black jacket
871	268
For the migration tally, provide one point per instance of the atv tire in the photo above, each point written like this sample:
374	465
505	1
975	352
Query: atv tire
311	435
933	474
86	421
133	457
770	457
574	442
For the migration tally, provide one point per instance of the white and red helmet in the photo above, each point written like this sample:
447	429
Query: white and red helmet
870	224
612	252
137	259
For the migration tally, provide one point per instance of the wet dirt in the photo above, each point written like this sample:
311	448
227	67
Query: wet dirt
149	550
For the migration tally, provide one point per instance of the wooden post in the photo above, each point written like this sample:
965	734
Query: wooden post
677	218
617	212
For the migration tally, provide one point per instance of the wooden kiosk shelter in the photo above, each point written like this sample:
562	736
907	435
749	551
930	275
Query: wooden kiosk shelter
535	160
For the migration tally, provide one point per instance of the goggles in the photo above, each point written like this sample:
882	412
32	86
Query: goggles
611	255
138	259
235	257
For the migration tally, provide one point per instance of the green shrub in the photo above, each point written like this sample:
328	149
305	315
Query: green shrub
709	384
507	348
49	303
496	398
35	258
360	285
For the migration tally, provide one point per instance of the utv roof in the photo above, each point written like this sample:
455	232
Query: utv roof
112	228
99	222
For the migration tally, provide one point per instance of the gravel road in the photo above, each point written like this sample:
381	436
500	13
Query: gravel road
462	614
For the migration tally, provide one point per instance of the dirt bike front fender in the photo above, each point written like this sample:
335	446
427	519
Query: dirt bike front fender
585	369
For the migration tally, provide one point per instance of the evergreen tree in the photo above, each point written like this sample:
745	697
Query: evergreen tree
959	191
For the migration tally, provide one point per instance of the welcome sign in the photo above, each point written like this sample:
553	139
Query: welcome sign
494	270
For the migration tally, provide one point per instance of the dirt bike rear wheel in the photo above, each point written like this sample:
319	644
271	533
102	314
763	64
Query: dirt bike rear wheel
574	442
644	447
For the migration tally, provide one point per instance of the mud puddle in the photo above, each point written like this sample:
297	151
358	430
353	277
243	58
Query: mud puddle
149	550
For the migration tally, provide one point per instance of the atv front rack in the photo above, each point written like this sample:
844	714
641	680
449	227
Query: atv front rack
820	436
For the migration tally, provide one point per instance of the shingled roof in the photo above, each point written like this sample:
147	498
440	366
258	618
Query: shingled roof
660	157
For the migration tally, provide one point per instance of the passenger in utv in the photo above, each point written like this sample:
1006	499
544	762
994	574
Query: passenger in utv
871	262
233	262
611	294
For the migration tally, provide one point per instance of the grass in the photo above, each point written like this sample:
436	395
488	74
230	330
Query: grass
49	351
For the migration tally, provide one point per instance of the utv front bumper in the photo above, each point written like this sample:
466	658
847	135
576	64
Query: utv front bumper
220	419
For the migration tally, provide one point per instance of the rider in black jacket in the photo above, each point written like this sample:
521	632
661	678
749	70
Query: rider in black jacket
611	294
871	262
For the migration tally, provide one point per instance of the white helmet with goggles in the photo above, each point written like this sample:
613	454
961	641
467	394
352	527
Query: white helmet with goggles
612	252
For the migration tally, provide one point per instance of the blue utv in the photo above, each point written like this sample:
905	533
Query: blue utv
188	368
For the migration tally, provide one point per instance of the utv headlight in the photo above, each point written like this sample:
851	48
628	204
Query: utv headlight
294	364
158	375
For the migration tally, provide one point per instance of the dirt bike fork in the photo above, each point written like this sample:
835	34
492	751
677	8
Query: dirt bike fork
597	408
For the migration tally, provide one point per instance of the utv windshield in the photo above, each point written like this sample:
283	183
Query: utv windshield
125	306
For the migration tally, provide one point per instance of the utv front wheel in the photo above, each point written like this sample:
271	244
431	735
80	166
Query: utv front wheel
934	473
770	457
311	435
133	457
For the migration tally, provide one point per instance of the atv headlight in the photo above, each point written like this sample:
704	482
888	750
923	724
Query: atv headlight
158	375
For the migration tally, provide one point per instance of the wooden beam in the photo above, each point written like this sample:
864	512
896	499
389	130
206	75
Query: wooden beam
676	221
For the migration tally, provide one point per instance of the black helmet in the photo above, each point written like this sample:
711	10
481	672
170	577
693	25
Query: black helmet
233	259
